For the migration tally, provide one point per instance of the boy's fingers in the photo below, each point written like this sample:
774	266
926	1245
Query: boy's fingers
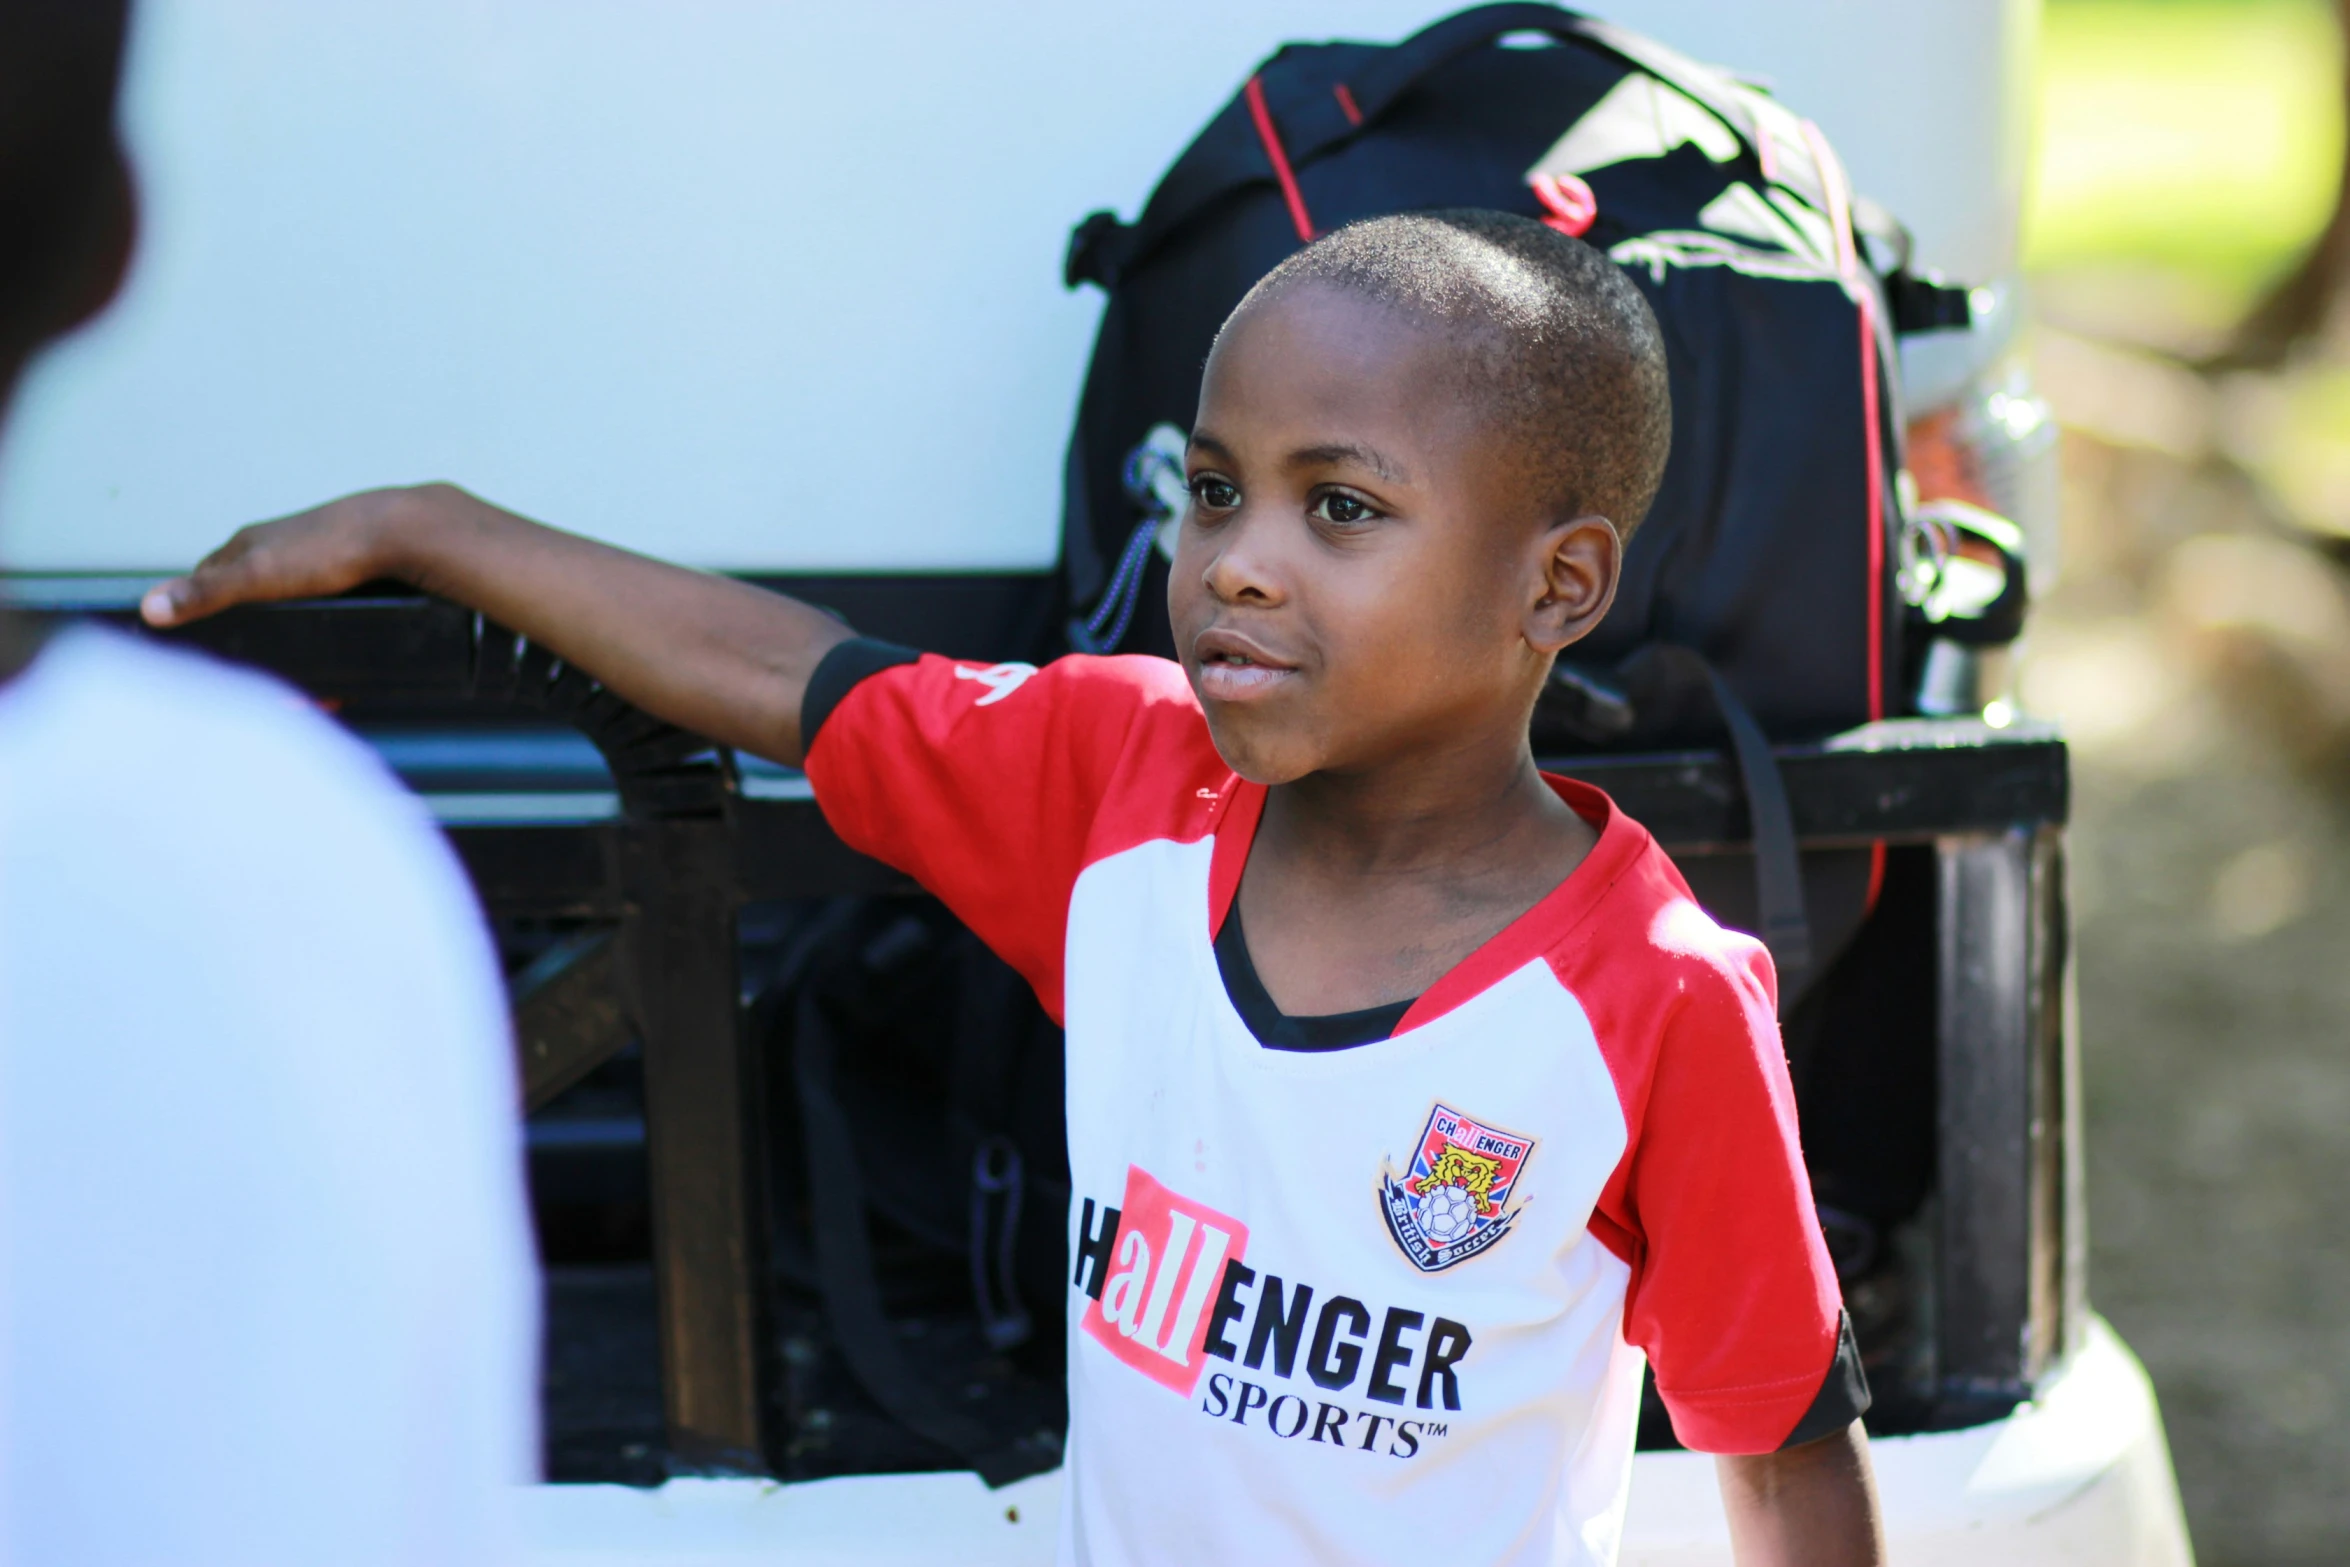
183	599
161	605
219	580
310	554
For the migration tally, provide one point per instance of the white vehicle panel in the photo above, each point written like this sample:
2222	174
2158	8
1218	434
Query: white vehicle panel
2079	1476
762	287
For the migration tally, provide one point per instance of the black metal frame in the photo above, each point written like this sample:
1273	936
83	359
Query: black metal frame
688	847
2009	1146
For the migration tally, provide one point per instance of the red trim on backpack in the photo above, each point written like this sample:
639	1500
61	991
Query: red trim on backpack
1346	104
1569	201
1255	93
1831	174
1832	187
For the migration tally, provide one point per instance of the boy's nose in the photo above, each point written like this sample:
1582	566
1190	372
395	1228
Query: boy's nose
1239	572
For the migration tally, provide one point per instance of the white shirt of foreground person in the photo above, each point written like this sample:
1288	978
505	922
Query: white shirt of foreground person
268	1294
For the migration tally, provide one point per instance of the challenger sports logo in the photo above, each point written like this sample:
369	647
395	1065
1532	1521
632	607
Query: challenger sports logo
1454	1202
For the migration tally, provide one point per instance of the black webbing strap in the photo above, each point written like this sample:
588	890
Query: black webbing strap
1778	868
852	1290
1926	304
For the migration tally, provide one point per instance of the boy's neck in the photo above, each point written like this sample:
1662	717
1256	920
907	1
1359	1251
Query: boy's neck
1365	887
1447	816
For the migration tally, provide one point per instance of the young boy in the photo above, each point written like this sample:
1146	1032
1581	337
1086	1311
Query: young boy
1411	1099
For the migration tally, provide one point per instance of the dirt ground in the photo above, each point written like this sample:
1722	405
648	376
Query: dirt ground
2198	647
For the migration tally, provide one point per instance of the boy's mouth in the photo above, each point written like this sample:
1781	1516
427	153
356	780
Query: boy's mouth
1234	669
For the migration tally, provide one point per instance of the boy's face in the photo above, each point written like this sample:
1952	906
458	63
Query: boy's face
1364	575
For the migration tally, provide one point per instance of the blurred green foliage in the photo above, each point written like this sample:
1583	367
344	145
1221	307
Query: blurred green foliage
2198	135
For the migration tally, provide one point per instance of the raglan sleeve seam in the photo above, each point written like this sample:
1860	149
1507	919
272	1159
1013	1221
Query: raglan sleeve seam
987	785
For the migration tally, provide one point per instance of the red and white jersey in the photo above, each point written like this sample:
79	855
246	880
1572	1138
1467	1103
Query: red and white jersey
1383	1303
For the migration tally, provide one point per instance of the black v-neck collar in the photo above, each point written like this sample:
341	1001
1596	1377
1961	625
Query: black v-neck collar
1276	1029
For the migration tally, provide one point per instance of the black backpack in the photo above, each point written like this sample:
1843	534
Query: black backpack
1759	598
919	1214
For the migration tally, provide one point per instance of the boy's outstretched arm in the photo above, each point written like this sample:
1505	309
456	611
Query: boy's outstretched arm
718	657
1808	1506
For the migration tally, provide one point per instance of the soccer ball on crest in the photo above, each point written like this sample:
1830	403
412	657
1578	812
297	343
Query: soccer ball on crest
1446	1214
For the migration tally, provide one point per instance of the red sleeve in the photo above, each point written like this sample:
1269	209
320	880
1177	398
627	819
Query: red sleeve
994	786
1732	1296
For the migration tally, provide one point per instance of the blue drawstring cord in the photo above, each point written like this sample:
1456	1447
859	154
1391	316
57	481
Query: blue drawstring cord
1107	626
1154	482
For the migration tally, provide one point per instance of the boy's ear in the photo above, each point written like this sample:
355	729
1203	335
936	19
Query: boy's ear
1581	560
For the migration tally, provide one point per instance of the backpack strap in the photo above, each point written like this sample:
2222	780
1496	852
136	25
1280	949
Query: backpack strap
851	1287
1783	920
1778	867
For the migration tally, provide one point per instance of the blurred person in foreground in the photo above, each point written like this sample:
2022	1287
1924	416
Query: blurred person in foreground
265	1286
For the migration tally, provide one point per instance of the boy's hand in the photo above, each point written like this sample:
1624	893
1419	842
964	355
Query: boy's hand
719	657
312	554
1809	1506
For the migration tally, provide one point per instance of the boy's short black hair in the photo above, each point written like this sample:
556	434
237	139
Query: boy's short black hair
60	191
1560	343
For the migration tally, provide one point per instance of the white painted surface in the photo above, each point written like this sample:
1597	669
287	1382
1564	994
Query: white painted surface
2079	1479
754	285
864	1521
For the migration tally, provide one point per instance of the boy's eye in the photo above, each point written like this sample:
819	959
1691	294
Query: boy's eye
1214	494
1339	507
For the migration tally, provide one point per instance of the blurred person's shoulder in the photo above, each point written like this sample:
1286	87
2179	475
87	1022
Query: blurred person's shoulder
173	806
97	715
253	1040
109	742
